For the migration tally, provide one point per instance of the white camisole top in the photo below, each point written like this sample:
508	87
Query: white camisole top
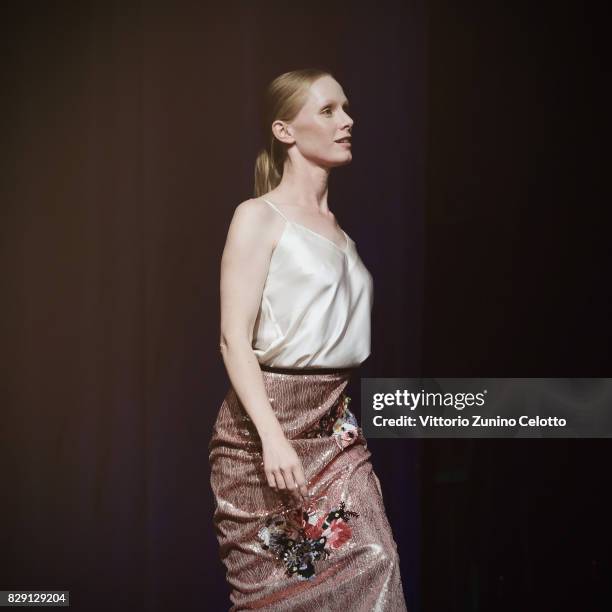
316	305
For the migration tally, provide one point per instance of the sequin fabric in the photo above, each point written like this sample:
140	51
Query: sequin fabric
333	553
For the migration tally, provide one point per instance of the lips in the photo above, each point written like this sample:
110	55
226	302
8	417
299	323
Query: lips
345	139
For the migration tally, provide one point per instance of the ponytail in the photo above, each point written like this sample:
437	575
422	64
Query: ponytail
267	175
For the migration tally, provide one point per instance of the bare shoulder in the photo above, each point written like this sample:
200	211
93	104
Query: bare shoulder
255	209
255	221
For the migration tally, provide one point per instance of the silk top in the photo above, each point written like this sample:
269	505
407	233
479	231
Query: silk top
316	304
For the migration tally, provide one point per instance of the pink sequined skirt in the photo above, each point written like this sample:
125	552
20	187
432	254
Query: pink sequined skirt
335	552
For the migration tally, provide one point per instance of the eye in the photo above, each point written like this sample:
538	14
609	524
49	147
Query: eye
327	110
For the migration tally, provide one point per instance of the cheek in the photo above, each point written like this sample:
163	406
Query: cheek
315	136
317	140
322	138
318	132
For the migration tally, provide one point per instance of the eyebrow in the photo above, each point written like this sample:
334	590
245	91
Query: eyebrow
331	102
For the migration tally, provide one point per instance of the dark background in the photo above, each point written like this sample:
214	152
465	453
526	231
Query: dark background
475	197
516	284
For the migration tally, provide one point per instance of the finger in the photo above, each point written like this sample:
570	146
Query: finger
300	491
288	476
297	495
291	484
271	480
300	480
280	481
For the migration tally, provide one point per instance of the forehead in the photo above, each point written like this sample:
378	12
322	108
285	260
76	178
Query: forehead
323	91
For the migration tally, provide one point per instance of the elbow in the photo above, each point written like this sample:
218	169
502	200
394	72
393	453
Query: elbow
227	343
224	345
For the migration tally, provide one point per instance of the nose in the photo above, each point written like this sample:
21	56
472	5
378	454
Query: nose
347	121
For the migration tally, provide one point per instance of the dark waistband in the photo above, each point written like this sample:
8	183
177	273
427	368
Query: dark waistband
299	371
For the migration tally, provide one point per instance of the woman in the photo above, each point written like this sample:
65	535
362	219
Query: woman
299	511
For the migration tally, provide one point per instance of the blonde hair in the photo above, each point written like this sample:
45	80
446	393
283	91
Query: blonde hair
284	98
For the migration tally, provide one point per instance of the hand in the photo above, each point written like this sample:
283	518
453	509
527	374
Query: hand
283	468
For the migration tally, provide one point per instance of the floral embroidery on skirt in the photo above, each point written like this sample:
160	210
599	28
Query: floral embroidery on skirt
299	538
339	422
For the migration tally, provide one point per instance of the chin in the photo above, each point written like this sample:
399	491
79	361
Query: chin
336	163
342	162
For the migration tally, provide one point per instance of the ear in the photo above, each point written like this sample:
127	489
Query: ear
282	131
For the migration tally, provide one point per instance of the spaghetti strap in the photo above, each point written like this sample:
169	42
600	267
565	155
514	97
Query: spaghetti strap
276	209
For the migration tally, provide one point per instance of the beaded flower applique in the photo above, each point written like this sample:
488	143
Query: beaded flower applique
298	538
338	422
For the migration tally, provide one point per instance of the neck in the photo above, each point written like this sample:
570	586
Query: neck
305	185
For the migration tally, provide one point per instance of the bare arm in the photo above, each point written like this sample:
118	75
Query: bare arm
244	268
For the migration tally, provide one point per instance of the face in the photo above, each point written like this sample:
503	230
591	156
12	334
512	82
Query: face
321	122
